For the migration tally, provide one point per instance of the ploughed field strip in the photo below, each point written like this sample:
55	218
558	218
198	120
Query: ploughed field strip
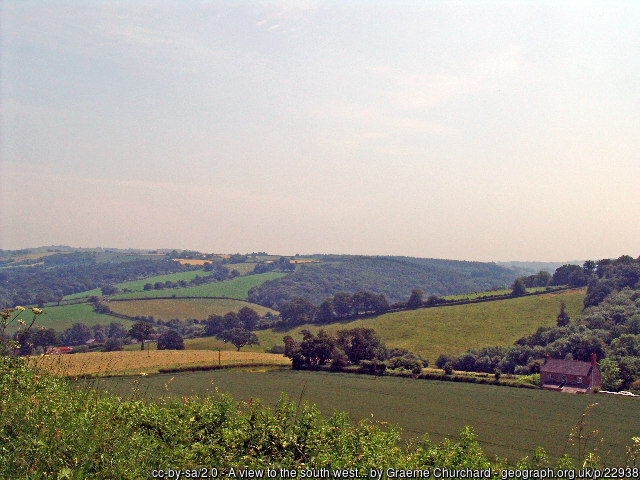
509	422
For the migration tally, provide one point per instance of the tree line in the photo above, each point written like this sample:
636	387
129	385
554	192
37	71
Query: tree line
350	347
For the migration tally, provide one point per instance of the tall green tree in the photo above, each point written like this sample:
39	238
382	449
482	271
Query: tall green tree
518	288
141	331
248	318
170	340
239	337
415	299
563	318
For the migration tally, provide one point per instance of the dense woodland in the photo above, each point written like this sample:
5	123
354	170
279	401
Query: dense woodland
394	277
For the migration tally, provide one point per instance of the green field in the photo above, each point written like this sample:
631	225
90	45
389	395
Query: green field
454	329
96	292
490	293
64	316
184	308
509	422
236	288
242	268
138	285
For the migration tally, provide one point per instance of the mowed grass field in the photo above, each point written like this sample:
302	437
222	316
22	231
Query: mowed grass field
198	308
137	362
62	317
510	422
490	293
236	288
454	329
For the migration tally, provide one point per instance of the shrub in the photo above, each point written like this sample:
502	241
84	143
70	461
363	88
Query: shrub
407	362
448	368
113	345
277	349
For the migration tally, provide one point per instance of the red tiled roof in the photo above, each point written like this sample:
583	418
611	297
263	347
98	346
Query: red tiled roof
567	367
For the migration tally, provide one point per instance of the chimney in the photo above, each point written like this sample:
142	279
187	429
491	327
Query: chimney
594	359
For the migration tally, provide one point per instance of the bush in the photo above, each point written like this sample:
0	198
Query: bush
406	362
277	349
113	345
170	340
448	368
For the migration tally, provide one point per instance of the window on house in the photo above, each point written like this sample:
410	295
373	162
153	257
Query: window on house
579	379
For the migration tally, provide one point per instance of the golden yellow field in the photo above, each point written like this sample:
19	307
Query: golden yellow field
138	362
185	261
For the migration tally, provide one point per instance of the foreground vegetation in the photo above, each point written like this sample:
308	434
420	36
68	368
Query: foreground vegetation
49	429
509	422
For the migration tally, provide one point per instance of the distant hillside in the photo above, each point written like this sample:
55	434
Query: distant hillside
394	277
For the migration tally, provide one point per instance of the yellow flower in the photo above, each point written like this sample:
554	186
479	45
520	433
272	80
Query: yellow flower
36	311
20	321
22	309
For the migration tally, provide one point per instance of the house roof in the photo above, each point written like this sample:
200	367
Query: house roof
567	367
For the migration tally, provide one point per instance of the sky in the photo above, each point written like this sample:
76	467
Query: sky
448	129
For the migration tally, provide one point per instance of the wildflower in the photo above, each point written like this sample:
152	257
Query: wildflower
36	311
20	321
22	309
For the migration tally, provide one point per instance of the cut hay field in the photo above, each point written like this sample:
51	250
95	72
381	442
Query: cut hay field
236	288
136	362
509	422
454	329
198	308
186	261
62	317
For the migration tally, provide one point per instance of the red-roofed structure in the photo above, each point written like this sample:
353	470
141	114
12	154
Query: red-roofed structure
570	376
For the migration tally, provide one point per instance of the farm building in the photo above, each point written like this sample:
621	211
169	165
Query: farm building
58	350
570	376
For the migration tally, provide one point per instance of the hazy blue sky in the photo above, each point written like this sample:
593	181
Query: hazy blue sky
468	130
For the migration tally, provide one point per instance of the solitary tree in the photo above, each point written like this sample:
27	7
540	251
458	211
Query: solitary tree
518	288
563	318
239	337
141	331
415	300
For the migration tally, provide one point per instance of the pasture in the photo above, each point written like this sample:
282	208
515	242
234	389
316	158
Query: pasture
137	361
241	268
471	296
235	288
454	329
198	308
62	317
510	422
138	285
